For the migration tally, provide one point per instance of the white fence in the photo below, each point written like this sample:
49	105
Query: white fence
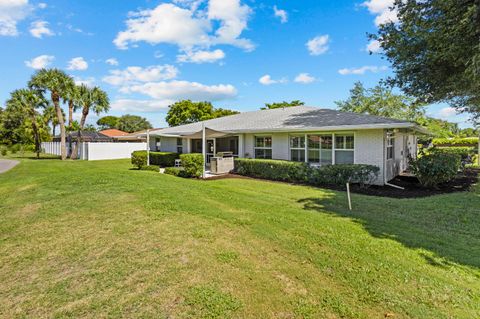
96	151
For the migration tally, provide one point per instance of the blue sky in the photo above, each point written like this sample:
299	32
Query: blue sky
238	54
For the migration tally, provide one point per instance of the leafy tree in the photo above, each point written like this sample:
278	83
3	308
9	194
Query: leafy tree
469	132
108	122
28	102
50	116
439	128
435	53
186	112
57	83
92	100
381	101
269	106
133	123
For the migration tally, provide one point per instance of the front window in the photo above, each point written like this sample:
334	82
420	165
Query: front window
320	149
297	148
390	145
344	149
179	146
263	147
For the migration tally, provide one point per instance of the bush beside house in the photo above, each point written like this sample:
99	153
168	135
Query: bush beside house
192	165
139	159
456	141
162	159
435	168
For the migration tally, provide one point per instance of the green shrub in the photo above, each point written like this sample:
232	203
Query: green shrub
466	153
163	159
192	164
139	159
341	174
456	141
435	168
154	168
3	151
15	148
272	169
175	171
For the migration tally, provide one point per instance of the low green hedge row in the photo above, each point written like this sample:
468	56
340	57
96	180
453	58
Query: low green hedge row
456	141
162	159
435	168
466	153
296	172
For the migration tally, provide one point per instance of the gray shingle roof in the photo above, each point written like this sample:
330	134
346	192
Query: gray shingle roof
299	118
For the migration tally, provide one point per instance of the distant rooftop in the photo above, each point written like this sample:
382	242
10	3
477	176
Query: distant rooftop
113	132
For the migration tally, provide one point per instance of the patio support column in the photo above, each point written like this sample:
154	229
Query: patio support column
148	147
204	149
306	148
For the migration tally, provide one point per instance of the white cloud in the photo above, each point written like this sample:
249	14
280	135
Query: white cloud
188	27
362	70
11	12
382	10
177	90
447	112
267	80
304	78
42	5
77	63
112	61
374	46
131	105
318	45
40	62
201	56
136	74
282	14
39	28
89	81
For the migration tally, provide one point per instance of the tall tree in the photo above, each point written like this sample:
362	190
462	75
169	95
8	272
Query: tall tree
92	100
186	112
434	50
72	98
133	123
269	106
57	83
108	122
50	115
381	101
28	102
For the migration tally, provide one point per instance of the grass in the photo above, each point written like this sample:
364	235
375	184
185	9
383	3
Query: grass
96	240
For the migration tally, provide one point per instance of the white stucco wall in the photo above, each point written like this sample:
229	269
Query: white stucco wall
169	144
369	149
107	151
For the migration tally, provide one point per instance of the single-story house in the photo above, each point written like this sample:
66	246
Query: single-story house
305	134
124	137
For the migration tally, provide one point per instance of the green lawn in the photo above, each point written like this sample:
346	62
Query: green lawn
96	239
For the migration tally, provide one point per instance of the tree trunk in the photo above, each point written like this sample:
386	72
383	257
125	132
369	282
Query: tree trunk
70	113
79	138
36	135
61	123
53	129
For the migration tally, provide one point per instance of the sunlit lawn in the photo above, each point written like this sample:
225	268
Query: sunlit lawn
96	239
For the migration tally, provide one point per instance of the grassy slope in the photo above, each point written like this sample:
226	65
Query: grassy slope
96	239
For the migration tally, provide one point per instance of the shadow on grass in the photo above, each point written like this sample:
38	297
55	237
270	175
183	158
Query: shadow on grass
447	228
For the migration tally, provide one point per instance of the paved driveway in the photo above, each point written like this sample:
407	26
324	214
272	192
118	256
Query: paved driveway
6	165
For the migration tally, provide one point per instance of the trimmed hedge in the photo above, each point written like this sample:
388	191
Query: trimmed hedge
192	165
163	159
153	168
435	168
456	141
139	159
272	169
341	174
175	171
296	172
466	153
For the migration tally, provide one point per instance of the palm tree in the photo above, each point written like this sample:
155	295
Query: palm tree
50	116
28	101
72	98
57	83
91	99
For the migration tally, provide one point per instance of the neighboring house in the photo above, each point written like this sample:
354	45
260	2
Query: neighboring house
134	137
113	133
87	136
304	134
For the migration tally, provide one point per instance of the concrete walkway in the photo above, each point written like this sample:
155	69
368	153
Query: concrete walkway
6	165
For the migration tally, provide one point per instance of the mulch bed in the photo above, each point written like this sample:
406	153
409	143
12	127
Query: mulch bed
412	188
